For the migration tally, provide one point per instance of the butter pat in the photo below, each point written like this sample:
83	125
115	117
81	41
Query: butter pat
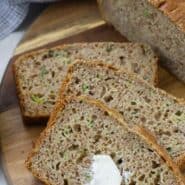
104	171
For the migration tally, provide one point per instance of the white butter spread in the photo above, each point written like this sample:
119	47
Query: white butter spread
104	171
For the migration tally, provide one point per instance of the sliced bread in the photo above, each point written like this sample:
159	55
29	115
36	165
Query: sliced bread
139	102
81	129
39	74
160	23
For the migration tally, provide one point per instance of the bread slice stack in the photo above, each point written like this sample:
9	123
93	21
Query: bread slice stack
39	74
107	105
139	102
81	128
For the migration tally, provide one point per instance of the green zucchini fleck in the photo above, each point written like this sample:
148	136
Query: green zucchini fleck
85	87
37	99
67	61
88	177
133	103
56	54
90	123
62	53
98	76
135	111
43	71
178	117
50	53
178	113
65	156
67	131
146	13
169	149
109	48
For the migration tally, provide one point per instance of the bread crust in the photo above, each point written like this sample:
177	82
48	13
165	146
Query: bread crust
28	118
173	9
181	163
179	160
141	132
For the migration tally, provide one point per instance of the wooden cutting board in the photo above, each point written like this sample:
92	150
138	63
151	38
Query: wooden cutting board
64	22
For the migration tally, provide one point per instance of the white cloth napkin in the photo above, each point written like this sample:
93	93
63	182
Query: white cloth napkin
12	13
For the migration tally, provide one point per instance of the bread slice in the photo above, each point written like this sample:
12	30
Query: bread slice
160	23
39	74
81	128
139	102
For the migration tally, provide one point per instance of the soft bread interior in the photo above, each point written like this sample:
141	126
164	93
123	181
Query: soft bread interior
136	100
79	130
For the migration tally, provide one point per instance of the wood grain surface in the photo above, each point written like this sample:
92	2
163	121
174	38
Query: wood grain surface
64	22
61	20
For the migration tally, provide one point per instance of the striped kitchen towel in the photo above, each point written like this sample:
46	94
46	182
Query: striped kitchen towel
12	13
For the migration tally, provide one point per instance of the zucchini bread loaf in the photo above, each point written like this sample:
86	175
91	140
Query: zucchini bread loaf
160	23
81	130
139	102
39	74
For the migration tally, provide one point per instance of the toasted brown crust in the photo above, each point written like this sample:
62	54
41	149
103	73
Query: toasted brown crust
181	163
174	9
38	118
156	76
141	132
